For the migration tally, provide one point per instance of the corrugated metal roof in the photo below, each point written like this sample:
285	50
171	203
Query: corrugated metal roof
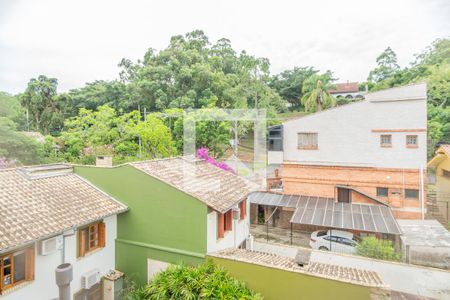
326	212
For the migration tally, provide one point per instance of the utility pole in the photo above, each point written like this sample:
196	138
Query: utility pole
139	135
236	145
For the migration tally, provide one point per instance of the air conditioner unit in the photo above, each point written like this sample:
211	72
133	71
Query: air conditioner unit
90	279
236	213
50	245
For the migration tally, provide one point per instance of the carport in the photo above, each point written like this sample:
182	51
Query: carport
327	213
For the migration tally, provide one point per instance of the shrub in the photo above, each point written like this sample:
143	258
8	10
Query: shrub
206	281
375	248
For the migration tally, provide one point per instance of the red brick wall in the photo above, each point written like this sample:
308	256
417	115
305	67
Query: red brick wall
311	180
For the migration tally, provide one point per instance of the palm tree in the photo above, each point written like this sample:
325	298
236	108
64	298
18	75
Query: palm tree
316	94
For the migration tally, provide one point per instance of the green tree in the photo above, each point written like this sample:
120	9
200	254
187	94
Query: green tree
387	66
103	132
40	100
375	248
16	146
316	94
156	138
192	73
206	281
289	84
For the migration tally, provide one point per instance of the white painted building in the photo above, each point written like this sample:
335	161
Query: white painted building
232	238
376	148
51	216
350	134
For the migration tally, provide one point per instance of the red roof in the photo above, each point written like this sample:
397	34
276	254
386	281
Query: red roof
349	87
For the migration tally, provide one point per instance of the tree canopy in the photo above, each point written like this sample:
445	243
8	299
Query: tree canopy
316	94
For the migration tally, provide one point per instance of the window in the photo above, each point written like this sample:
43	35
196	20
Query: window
224	223
411	141
307	140
16	268
386	140
445	173
382	192
90	238
243	209
411	194
276	138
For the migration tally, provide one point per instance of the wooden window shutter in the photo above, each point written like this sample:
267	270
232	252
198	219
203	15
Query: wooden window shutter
81	243
243	207
29	264
101	234
229	220
220	229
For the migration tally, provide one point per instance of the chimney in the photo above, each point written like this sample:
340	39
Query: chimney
104	161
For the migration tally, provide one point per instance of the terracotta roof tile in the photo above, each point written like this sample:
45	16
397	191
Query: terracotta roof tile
446	148
328	271
215	187
37	206
348	87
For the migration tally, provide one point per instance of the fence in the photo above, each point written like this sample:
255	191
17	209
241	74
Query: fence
381	247
438	207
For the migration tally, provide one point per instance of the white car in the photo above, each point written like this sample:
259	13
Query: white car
334	240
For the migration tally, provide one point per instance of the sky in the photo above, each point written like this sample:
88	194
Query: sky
80	41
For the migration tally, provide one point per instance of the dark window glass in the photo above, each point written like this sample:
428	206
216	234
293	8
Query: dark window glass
382	192
19	267
412	194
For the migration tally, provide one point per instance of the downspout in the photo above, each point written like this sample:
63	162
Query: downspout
422	190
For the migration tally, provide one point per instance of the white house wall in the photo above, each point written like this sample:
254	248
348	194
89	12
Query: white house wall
345	134
43	286
232	238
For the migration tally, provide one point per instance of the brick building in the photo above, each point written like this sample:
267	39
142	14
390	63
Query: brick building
371	151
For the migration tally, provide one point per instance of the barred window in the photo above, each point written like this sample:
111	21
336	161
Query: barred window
386	140
307	140
411	140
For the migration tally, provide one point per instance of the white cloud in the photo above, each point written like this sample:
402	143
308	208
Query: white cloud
79	41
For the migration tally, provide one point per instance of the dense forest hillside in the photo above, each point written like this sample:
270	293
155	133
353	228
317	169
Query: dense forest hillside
140	115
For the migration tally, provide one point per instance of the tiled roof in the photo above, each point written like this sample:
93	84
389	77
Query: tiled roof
349	87
36	203
328	271
446	148
215	187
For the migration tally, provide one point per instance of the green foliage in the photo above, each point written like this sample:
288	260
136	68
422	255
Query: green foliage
375	248
387	66
16	146
192	73
315	92
289	84
104	132
206	281
40	98
214	135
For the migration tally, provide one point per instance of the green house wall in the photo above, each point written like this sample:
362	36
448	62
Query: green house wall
162	223
275	284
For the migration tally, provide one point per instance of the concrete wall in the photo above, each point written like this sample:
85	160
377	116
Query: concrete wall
232	239
401	277
443	183
163	223
43	286
345	133
275	284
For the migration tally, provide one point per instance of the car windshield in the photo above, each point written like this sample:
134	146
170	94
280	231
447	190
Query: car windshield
321	233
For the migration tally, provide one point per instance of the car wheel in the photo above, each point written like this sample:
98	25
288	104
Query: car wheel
323	248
